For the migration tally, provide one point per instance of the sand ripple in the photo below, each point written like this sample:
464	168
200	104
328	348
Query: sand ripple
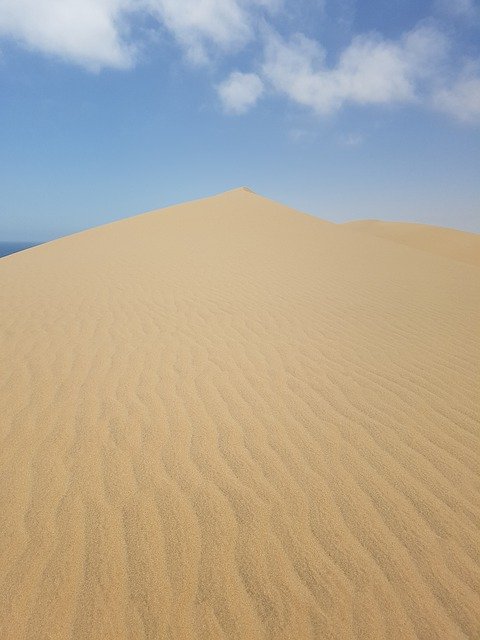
228	420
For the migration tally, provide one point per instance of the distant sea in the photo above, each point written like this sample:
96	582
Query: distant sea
6	248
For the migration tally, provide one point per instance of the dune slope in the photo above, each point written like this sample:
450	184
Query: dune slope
450	243
230	420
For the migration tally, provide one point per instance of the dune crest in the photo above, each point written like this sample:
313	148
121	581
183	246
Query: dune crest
230	420
449	243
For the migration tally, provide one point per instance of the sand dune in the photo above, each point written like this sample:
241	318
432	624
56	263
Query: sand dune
227	419
450	243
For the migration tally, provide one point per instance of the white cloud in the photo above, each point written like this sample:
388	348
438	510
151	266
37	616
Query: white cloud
466	9
87	32
198	23
352	140
240	91
462	99
94	33
370	71
302	135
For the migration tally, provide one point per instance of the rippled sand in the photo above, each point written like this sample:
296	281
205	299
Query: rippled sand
228	419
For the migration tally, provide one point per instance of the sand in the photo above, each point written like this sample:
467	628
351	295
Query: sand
450	243
227	419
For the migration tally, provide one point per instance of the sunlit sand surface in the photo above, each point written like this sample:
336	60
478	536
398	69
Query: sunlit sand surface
229	420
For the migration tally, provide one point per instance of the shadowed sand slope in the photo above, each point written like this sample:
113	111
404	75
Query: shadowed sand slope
450	243
229	420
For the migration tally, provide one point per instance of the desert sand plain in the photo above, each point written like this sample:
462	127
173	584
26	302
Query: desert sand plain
230	420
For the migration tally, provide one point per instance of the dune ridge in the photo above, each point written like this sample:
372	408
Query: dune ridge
227	419
450	243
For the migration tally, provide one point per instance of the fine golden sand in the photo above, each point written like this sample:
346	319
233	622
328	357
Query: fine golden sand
450	243
229	420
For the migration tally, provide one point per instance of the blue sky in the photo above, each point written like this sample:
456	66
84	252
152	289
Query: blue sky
345	109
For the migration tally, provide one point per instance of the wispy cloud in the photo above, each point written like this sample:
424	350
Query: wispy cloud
197	25
465	9
96	33
370	70
420	67
302	136
91	33
461	99
240	91
351	139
